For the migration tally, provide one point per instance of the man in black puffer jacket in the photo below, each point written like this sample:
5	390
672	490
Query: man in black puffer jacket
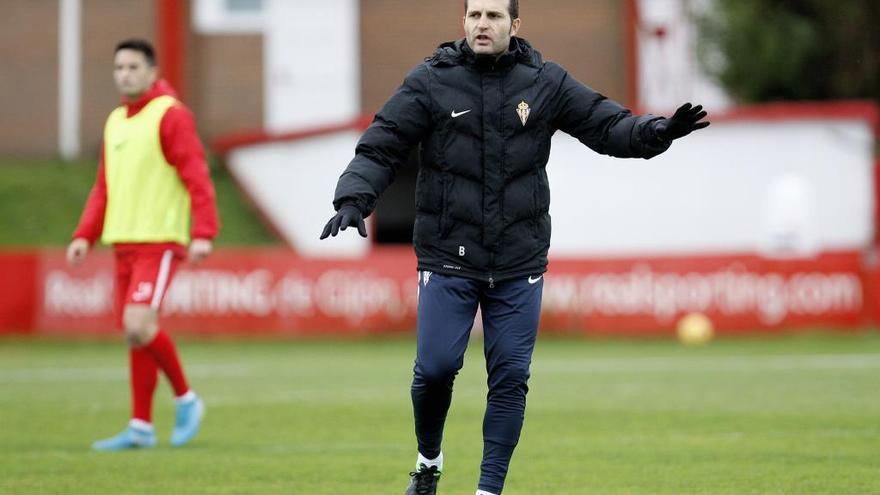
483	110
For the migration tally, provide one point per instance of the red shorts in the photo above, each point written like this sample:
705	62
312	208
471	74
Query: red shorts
143	273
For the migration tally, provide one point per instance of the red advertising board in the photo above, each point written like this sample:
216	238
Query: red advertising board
18	291
275	291
738	293
246	291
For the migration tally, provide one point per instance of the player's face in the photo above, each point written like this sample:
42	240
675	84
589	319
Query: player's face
488	26
132	73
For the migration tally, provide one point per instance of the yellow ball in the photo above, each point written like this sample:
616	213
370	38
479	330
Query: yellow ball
694	329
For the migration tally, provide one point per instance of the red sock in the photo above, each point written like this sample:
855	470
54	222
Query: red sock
144	374
163	351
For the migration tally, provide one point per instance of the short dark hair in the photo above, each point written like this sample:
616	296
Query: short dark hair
138	45
512	8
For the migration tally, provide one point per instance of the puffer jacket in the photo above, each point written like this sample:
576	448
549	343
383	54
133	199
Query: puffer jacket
484	126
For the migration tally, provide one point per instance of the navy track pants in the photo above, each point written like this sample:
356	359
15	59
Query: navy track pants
447	307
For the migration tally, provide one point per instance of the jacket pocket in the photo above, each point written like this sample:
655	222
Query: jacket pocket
446	182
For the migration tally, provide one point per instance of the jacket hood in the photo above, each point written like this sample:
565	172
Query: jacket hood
459	53
159	88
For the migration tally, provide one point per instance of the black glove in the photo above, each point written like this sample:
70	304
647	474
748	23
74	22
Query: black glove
685	121
348	215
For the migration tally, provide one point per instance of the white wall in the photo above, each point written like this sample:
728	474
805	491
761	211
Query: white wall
293	184
780	188
669	73
312	63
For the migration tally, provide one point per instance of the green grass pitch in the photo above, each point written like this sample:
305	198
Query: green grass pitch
782	415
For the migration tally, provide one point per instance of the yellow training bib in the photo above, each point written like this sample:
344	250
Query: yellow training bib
146	200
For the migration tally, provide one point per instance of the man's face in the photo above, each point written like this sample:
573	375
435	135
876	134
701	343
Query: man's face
488	26
132	73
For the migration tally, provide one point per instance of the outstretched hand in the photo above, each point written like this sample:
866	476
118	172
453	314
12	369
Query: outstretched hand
347	216
685	121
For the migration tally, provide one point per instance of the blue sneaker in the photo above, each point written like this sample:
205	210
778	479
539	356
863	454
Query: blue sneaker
131	438
187	419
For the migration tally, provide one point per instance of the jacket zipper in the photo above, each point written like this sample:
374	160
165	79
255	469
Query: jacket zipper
501	199
491	267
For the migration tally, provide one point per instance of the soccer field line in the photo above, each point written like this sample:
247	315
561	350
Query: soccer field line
715	363
325	396
294	395
540	364
111	373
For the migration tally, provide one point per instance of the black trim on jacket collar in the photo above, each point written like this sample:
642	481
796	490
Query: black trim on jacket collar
460	53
